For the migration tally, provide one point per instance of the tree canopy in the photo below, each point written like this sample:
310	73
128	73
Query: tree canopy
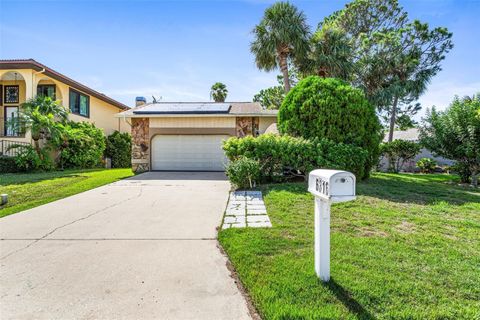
218	92
393	58
455	133
331	109
282	34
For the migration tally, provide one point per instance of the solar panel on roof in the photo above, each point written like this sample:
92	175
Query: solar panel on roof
184	108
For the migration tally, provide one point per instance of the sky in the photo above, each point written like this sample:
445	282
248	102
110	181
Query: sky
177	49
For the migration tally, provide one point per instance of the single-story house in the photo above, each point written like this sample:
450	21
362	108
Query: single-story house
410	166
21	80
186	136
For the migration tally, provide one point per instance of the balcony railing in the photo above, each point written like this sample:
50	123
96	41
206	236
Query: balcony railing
9	130
6	147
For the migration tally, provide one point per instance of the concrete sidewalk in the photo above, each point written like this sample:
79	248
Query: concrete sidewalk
140	248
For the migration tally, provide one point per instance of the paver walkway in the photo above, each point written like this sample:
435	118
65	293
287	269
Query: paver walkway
140	248
246	209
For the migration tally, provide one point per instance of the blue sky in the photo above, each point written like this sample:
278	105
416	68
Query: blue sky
178	49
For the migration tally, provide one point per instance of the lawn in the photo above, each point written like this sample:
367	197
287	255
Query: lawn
407	248
28	190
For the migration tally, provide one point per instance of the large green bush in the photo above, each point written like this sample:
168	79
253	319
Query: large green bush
119	149
331	109
281	156
83	146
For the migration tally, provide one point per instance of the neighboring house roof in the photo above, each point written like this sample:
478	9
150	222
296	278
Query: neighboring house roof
32	64
199	109
409	135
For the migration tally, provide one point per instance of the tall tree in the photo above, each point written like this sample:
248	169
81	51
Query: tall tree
330	55
455	133
218	92
394	59
282	34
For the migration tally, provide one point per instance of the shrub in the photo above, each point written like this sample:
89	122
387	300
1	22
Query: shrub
455	133
426	165
283	156
331	109
243	172
83	147
119	149
8	165
398	152
462	170
29	159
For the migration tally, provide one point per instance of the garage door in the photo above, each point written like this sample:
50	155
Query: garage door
188	152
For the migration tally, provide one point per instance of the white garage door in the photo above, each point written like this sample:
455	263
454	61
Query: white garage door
188	152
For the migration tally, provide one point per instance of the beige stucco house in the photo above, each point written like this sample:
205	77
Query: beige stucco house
181	136
21	80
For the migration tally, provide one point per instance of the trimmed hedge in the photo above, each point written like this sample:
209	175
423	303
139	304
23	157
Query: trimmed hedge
281	156
119	149
8	165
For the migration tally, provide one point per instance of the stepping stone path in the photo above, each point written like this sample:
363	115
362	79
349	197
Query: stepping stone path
246	209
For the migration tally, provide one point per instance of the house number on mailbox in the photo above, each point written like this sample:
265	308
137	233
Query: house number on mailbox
322	186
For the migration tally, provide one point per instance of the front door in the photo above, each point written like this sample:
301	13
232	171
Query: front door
11	119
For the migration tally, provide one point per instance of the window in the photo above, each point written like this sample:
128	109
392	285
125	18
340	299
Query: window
11	94
79	103
11	123
46	90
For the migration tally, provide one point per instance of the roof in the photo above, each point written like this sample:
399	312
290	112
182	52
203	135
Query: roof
184	108
409	135
205	109
32	64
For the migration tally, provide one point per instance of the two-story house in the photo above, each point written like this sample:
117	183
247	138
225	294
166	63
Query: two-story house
21	80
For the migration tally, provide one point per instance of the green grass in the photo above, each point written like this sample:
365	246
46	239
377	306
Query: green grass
28	190
407	248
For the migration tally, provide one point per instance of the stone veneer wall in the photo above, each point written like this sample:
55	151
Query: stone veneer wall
247	126
140	145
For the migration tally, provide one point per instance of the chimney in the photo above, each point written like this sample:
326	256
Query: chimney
140	101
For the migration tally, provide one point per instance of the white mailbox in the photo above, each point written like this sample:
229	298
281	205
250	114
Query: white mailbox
333	185
327	186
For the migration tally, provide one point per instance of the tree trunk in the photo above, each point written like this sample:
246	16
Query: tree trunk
392	119
36	144
284	69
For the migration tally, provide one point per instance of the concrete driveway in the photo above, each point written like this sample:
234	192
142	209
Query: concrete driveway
140	248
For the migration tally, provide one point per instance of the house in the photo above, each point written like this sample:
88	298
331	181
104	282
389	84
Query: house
413	135
21	80
188	135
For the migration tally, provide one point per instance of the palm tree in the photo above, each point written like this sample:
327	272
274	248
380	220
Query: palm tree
44	118
282	34
218	92
331	54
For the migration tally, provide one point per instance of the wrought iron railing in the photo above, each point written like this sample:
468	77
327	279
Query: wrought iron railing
6	147
10	129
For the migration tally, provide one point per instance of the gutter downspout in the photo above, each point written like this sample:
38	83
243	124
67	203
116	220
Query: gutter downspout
125	119
34	74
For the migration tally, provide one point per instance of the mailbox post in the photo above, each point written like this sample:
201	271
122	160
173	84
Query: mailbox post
328	186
